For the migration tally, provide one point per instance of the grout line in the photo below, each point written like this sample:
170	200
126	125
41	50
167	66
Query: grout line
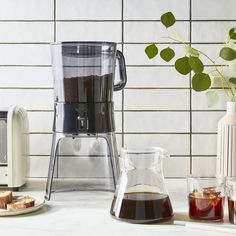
68	155
25	88
137	133
166	110
190	91
168	66
25	43
98	21
50	110
157	110
132	65
118	42
54	21
61	178
25	65
176	43
112	20
123	92
150	88
55	39
181	20
156	88
128	88
179	88
26	21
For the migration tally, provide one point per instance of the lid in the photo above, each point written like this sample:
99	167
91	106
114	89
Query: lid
85	48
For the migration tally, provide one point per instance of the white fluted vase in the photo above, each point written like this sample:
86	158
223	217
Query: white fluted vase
226	142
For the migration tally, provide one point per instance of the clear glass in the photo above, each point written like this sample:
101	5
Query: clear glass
141	195
231	194
85	71
206	197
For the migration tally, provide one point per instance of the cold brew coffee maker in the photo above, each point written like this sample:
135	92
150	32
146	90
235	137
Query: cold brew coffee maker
84	75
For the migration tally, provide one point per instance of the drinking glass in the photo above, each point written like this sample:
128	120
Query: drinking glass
206	197
231	194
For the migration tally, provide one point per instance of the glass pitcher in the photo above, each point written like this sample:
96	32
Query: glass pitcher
84	71
141	195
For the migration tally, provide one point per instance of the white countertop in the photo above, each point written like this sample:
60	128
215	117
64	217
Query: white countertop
87	213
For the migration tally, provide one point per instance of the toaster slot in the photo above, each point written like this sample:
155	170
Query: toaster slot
3	175
3	140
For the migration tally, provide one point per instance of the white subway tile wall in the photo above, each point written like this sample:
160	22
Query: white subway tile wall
38	32
215	10
27	10
155	77
101	31
133	31
153	9
157	107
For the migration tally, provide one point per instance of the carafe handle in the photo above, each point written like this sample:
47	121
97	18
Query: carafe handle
122	69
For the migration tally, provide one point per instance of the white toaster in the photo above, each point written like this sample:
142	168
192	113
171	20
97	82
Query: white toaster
14	147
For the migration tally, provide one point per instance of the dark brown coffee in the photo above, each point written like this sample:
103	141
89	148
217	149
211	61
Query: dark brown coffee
206	205
232	210
144	207
89	88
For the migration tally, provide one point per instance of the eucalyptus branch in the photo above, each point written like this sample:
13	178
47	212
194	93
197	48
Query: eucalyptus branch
191	62
221	76
224	80
176	40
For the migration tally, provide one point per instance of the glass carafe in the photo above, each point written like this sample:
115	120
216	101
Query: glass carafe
141	195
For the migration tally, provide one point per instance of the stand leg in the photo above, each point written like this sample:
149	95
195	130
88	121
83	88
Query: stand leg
111	140
55	141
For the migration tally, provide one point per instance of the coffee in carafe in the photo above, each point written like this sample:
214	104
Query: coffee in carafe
144	207
141	196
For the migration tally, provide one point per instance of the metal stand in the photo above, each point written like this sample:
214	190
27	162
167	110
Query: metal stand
111	142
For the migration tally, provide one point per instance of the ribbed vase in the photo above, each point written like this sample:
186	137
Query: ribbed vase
226	142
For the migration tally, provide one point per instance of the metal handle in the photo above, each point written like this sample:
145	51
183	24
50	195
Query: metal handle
122	69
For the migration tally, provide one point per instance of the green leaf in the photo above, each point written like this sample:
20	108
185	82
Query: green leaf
228	54
167	54
191	51
196	64
168	19
232	33
182	65
151	51
232	80
212	98
201	82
